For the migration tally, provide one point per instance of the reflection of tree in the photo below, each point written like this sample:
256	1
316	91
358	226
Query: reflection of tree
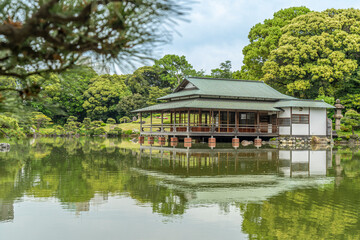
304	214
327	213
76	170
165	201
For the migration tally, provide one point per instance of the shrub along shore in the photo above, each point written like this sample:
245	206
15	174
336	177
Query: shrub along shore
41	125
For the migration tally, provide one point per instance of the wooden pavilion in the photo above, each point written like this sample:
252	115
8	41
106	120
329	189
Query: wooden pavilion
208	107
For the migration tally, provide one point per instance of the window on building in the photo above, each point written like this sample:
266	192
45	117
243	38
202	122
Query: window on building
246	118
300	119
284	121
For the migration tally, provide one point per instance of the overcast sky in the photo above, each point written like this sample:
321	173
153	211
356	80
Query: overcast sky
218	29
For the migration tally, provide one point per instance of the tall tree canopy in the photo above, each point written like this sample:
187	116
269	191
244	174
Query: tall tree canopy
51	35
317	54
142	79
103	94
263	38
224	71
173	68
63	94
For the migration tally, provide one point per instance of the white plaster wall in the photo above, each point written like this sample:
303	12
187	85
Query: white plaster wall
299	156
317	163
285	114
285	171
284	130
300	129
318	121
284	154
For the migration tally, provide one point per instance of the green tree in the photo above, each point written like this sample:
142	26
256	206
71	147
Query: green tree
71	124
124	119
351	120
142	78
130	103
40	120
264	37
9	127
111	121
63	94
103	93
86	123
155	93
53	35
173	68
317	55
224	71
351	101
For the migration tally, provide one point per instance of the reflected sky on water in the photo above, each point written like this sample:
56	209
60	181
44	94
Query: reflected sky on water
57	188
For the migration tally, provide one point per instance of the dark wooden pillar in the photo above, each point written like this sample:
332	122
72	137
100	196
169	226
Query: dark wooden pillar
257	121
200	121
151	122
162	122
227	121
219	122
188	122
212	121
141	130
174	122
236	122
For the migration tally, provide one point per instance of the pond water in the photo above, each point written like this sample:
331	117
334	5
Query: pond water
112	189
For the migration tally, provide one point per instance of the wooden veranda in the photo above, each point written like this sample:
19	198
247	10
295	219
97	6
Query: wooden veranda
211	123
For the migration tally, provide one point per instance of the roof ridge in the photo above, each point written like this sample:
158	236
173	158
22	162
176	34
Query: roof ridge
226	79
304	100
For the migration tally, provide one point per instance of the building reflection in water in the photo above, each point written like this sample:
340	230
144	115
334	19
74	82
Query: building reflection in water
238	175
156	174
6	211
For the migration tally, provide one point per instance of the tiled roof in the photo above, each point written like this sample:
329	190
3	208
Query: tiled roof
211	104
302	103
215	87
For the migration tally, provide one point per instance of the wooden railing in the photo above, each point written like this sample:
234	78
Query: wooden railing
219	128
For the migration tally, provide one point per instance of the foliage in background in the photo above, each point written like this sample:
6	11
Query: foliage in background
317	54
40	120
264	37
130	103
103	93
9	127
351	120
65	94
306	54
173	68
224	71
40	37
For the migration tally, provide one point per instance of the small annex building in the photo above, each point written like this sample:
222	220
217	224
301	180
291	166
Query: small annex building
212	107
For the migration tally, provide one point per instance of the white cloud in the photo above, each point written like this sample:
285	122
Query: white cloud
218	30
